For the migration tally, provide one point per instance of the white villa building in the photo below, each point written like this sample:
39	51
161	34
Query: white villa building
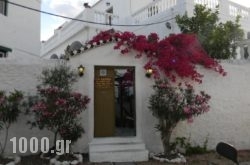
131	14
106	137
106	141
19	31
20	61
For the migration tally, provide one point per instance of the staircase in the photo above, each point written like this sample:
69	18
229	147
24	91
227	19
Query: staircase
117	151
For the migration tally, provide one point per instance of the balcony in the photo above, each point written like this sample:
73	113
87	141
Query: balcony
82	21
153	9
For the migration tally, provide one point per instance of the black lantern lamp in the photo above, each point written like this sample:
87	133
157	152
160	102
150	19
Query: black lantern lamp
149	72
81	70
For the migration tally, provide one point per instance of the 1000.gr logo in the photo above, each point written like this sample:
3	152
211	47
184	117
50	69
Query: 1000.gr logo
61	145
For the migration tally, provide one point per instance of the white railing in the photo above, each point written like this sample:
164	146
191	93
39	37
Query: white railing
72	27
209	3
105	18
235	10
153	9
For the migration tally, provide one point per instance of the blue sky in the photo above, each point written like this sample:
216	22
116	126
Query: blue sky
68	8
71	8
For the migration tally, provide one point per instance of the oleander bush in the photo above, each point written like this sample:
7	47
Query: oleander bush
57	107
10	109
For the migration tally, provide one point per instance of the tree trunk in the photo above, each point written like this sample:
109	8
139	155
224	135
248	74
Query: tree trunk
55	138
166	141
166	132
7	126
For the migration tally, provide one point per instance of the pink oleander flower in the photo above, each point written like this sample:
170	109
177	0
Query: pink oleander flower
51	90
40	106
76	95
2	100
186	110
190	120
60	102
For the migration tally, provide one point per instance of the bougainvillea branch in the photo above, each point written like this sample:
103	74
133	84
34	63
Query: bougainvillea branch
176	55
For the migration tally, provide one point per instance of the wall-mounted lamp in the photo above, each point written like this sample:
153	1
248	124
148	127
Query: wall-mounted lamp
168	25
149	72
81	70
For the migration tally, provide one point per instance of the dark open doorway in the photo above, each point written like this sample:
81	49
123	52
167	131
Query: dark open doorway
125	102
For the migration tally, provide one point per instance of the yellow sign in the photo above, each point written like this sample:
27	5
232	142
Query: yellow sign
104	82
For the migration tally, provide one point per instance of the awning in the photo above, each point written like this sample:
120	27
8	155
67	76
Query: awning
3	48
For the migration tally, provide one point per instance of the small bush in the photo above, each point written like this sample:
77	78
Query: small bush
182	143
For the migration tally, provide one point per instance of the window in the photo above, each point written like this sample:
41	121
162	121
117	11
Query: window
246	54
4	51
3	54
109	15
3	7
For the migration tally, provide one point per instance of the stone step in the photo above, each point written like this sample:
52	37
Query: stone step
118	152
119	156
116	147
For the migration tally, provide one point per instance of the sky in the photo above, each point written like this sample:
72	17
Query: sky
71	8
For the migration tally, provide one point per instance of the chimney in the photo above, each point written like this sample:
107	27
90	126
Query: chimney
86	5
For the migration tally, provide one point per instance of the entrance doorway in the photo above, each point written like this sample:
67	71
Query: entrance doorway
114	101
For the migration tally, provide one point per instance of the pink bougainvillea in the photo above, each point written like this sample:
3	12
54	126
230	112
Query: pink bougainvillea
170	58
176	55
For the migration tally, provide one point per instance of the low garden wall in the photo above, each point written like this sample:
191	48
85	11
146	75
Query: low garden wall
228	119
24	77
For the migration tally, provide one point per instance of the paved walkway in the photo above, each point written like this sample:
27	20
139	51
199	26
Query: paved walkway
127	163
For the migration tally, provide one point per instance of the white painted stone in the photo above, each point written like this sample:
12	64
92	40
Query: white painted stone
65	163
57	163
52	161
162	160
88	46
151	155
80	158
17	159
74	162
11	163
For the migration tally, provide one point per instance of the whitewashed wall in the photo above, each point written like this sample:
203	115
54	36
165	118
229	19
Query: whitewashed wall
20	29
105	56
22	75
228	120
